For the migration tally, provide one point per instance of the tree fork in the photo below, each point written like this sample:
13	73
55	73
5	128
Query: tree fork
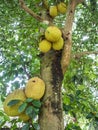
51	116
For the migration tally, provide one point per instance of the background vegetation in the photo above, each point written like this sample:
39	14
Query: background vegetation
20	60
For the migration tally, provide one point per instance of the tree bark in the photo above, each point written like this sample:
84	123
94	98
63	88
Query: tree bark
67	34
51	116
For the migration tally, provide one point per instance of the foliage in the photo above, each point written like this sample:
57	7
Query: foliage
3	118
30	107
18	46
72	126
79	96
20	60
6	121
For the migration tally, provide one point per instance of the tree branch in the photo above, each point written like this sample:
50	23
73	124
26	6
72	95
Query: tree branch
67	34
34	15
79	55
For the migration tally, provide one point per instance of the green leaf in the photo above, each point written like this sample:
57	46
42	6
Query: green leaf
13	102
66	100
26	126
81	87
36	103
78	92
22	107
36	126
36	110
67	107
6	118
96	119
2	123
16	84
29	110
1	113
89	116
32	112
29	100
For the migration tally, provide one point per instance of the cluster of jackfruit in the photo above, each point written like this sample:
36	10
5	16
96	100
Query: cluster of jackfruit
55	9
53	39
34	89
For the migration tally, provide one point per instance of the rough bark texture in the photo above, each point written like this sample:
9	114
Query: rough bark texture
51	117
67	33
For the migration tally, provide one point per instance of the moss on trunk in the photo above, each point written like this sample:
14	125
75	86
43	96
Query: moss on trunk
51	116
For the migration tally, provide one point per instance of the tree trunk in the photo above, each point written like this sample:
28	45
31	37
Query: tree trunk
51	114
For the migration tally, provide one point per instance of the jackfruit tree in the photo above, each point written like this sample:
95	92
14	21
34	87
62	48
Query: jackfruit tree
49	60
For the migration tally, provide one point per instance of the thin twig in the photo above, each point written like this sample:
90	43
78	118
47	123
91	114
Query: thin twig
34	15
79	55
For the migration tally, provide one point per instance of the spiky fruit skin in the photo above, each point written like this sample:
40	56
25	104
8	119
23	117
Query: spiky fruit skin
59	44
35	88
24	117
53	33
44	46
53	11
13	110
61	7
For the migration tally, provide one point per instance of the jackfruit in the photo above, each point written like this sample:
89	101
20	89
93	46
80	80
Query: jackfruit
17	94
61	7
59	44
35	88
44	46
24	117
53	11
53	33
